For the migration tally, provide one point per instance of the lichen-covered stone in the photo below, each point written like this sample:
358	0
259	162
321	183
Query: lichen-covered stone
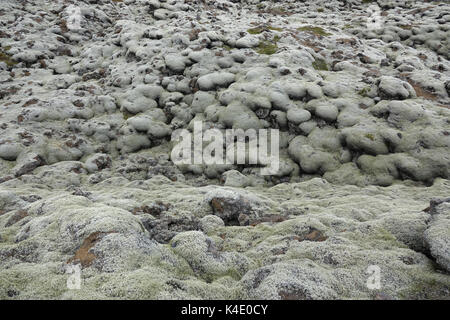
91	92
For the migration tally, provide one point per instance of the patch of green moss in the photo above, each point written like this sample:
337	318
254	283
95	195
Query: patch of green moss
320	64
8	235
6	58
227	47
406	26
268	47
31	281
427	287
347	26
384	235
378	237
259	30
256	30
237	237
320	10
316	30
367	1
126	114
278	10
370	136
232	273
274	28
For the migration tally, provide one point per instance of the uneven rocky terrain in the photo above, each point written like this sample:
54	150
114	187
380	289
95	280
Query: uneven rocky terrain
92	90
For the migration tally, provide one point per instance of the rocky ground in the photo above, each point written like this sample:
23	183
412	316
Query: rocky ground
91	91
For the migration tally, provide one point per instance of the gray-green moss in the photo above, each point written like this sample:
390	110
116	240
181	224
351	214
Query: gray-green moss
268	47
6	57
315	30
320	64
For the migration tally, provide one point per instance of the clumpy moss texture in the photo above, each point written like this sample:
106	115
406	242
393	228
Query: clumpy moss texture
325	233
93	204
315	30
268	47
6	58
320	64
